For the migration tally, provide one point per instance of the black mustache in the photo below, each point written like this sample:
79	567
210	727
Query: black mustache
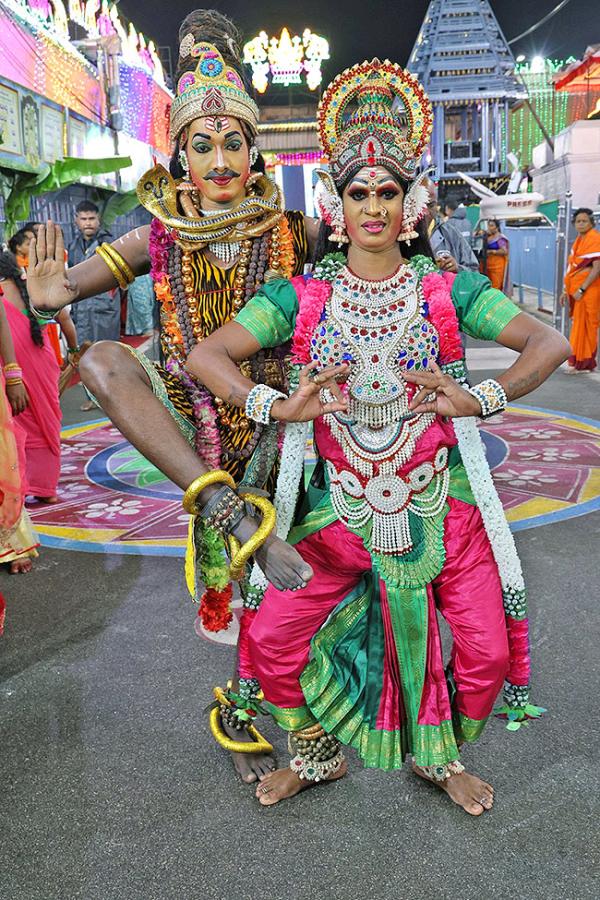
228	173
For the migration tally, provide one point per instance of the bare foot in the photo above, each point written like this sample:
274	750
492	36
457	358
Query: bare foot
20	566
468	791
88	406
249	766
284	783
283	566
50	500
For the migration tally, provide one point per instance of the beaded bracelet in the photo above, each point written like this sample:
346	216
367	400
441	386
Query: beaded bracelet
259	402
491	396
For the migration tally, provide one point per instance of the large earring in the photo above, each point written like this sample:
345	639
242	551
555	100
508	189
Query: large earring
330	207
338	235
183	162
253	154
413	209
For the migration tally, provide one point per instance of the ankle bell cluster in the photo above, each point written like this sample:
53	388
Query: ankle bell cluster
239	708
224	511
316	755
443	773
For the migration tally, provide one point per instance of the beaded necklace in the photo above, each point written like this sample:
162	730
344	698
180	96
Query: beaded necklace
269	255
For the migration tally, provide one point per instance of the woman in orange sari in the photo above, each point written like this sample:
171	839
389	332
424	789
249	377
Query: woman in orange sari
582	290
496	257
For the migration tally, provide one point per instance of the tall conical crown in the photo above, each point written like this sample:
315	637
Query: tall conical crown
375	113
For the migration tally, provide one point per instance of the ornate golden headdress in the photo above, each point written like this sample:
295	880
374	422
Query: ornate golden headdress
375	113
213	89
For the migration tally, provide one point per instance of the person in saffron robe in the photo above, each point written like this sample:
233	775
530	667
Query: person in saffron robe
582	291
496	257
41	417
401	518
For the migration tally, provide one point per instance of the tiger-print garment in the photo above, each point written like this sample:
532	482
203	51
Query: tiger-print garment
214	289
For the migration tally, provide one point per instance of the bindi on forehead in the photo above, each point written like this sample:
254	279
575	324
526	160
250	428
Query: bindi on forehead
216	123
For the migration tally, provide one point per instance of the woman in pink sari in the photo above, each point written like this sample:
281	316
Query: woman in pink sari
41	418
17	541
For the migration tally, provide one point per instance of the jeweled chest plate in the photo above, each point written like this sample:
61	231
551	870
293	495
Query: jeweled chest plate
380	328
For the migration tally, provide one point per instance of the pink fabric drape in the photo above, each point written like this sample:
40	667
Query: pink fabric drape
42	419
12	464
467	592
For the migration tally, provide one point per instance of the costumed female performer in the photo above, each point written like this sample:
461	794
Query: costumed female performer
218	232
401	518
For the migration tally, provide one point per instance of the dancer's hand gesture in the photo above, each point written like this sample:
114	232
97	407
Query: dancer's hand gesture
305	404
449	399
47	283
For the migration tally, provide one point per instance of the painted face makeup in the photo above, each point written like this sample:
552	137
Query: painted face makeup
218	156
373	202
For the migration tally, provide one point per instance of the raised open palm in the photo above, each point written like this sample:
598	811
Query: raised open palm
47	282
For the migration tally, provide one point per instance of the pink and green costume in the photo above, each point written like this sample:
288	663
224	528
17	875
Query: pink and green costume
400	521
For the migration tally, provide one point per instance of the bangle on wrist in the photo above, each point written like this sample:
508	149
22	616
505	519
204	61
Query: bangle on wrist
13	373
119	267
259	402
73	349
491	396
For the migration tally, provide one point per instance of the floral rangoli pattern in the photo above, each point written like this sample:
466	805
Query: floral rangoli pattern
546	466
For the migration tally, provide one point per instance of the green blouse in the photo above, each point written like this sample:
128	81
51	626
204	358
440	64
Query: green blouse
483	312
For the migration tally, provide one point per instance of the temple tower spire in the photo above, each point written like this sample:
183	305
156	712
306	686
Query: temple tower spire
467	68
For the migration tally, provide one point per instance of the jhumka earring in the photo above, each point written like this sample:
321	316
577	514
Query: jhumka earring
330	208
183	162
413	209
253	154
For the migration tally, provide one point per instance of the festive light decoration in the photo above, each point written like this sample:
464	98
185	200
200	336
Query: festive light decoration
308	157
98	18
37	54
286	58
555	109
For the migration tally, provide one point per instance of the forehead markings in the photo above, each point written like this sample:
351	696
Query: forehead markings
216	123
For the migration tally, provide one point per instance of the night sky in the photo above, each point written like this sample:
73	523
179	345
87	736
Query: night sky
361	29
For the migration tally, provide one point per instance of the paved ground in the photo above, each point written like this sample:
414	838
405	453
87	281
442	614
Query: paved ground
112	789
